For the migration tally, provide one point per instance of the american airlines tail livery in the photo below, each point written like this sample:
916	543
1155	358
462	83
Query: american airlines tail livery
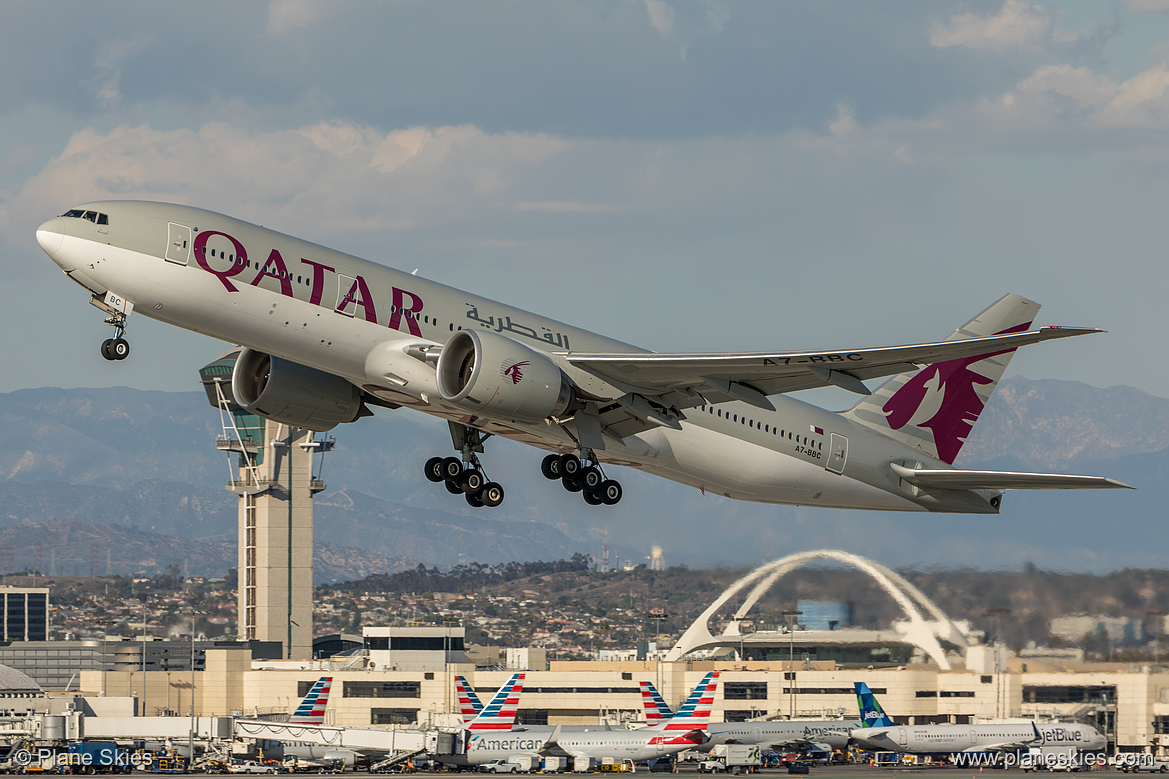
325	335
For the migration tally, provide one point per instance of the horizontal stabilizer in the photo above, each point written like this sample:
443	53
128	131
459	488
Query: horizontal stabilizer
948	479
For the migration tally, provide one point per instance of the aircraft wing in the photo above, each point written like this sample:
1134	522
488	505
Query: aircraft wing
945	478
751	376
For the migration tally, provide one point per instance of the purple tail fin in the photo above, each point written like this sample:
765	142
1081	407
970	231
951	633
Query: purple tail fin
935	408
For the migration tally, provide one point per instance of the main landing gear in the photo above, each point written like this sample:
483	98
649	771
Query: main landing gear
116	348
584	475
465	476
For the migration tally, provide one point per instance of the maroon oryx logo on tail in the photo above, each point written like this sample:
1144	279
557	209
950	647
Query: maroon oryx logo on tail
514	371
960	404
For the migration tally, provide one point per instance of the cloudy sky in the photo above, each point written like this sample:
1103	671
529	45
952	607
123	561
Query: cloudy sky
684	176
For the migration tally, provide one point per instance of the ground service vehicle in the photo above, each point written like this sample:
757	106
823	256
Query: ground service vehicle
499	767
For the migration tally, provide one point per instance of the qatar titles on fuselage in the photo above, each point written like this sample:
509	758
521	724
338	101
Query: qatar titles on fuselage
327	333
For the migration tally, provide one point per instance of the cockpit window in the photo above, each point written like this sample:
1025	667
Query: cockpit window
93	216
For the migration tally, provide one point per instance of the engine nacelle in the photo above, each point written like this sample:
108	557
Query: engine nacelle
489	374
288	392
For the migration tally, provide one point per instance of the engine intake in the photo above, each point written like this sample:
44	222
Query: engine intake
288	392
493	375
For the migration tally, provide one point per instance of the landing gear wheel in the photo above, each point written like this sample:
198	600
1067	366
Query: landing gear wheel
571	483
471	481
491	495
569	465
433	469
610	492
107	347
120	349
550	466
591	498
590	478
452	468
453	487
474	501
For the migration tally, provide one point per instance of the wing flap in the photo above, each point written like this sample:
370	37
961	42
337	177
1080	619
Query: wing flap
953	479
774	372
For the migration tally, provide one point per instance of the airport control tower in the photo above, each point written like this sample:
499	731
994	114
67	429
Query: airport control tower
274	479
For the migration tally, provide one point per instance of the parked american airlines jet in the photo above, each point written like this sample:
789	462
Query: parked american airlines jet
326	335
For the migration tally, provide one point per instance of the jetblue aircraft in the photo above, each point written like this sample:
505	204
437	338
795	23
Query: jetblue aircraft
326	335
951	739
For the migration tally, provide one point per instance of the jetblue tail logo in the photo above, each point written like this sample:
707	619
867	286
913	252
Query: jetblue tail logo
959	404
872	715
311	710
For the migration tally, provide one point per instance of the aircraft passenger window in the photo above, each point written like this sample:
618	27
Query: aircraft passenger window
212	252
720	412
102	219
767	428
736	417
752	423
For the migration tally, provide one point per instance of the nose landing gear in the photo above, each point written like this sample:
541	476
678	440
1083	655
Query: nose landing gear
116	348
584	475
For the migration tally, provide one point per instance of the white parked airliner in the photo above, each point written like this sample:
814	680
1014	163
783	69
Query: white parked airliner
326	334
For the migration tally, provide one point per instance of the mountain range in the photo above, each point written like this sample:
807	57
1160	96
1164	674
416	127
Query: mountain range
143	464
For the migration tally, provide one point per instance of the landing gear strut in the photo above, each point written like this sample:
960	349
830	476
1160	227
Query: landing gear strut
116	348
465	476
582	474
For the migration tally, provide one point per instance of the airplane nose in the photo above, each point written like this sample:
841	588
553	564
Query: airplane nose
51	234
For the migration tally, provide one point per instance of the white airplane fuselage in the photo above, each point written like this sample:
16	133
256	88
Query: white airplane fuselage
345	316
636	745
834	733
944	739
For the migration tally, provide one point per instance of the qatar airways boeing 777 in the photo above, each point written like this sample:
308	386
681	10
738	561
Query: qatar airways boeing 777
326	334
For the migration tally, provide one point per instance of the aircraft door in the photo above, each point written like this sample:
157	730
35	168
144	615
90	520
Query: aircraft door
178	244
837	453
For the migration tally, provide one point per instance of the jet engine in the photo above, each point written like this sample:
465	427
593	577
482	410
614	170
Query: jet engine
489	374
288	392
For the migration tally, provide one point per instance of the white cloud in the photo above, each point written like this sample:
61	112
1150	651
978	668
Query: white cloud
1018	25
287	15
108	66
368	179
661	16
1100	101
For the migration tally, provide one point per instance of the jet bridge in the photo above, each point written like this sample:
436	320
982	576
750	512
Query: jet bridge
364	740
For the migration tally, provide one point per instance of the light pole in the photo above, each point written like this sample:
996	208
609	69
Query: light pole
791	659
995	615
1157	614
191	732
